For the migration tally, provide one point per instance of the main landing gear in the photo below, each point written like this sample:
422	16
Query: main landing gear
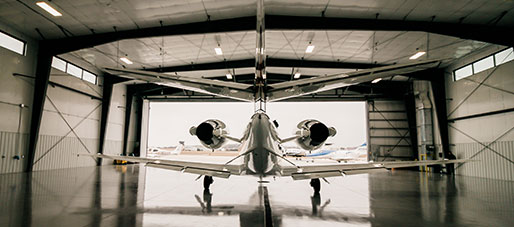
316	185
207	181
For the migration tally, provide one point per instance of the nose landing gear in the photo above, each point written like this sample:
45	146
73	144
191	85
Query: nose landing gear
316	185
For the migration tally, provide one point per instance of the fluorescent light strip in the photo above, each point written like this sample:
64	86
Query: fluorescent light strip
229	76
49	9
309	49
376	80
218	51
417	55
297	75
126	60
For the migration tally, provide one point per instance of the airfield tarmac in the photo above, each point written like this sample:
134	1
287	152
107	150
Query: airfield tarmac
133	195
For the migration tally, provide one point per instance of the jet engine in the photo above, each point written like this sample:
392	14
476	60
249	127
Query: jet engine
210	133
313	134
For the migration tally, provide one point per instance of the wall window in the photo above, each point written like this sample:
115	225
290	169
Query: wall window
11	43
89	77
484	64
504	56
74	70
463	72
59	64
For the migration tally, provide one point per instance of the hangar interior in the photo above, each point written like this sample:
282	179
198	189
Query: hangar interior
56	101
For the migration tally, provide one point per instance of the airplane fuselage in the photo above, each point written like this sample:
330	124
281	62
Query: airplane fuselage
261	145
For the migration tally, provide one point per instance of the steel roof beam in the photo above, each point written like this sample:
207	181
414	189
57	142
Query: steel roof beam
479	32
270	62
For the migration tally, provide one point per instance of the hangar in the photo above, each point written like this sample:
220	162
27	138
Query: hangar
58	100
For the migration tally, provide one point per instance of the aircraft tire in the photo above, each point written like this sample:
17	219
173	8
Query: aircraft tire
316	185
207	181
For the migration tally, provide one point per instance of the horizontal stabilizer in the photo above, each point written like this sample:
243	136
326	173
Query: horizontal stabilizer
194	170
303	172
208	169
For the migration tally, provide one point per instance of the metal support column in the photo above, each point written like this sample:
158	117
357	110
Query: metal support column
368	140
128	113
109	81
138	124
143	142
44	62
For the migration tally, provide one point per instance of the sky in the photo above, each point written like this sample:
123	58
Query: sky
170	122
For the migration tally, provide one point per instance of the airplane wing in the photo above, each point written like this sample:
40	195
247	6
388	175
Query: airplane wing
238	91
303	172
291	89
209	169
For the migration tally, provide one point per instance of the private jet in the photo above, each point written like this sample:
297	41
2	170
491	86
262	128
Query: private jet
260	153
358	153
156	152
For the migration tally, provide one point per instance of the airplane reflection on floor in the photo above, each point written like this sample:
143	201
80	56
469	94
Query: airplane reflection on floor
253	214
137	196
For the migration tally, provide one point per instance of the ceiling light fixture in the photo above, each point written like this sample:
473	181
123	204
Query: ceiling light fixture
49	9
218	50
126	60
417	55
297	75
229	76
376	80
310	48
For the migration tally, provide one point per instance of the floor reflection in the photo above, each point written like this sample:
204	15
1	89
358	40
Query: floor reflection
317	210
137	196
254	213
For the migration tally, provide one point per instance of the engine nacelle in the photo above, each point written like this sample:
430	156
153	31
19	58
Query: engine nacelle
210	133
313	134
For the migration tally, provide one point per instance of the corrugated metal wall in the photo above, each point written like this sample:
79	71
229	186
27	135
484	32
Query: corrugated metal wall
53	152
488	163
471	131
11	144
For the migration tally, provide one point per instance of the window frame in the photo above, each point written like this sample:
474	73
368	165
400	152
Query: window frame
76	66
472	64
16	38
455	72
96	76
494	55
489	56
65	64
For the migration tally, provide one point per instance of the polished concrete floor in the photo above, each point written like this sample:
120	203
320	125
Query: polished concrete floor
133	195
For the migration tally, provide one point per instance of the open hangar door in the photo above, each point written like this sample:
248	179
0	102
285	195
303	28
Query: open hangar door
169	124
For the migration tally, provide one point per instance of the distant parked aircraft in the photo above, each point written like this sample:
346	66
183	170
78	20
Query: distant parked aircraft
342	155
155	151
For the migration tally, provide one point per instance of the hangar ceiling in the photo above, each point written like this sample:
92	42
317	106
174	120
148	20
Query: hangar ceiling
192	53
